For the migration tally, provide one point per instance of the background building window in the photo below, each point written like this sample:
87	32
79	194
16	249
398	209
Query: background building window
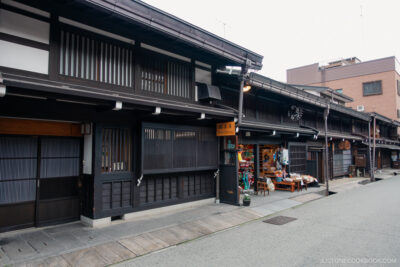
372	88
398	87
340	91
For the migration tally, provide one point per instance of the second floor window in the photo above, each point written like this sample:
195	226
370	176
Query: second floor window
165	76
93	59
372	88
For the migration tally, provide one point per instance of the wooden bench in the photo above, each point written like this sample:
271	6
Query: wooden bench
284	185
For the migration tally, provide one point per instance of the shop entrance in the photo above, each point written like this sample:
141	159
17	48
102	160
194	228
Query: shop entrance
39	177
257	161
315	163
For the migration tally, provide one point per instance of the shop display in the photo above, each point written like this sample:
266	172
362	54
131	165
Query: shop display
246	166
284	157
269	160
273	162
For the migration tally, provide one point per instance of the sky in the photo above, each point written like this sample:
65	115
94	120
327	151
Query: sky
293	33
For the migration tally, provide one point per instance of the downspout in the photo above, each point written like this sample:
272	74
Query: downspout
374	151
371	169
326	113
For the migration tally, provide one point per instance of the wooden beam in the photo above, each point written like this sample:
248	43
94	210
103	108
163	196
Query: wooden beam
38	127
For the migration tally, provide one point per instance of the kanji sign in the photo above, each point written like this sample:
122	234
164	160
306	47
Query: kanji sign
226	128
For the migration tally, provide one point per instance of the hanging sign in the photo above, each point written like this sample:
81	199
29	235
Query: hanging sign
226	128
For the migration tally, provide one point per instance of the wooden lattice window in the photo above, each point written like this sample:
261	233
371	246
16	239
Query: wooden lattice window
89	58
165	76
116	150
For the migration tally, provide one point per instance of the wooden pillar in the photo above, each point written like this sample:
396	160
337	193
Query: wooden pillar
373	152
326	113
256	165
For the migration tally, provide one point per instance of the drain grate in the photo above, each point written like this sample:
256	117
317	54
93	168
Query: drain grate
280	220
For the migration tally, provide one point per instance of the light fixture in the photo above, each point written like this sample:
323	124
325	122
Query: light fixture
248	134
246	88
235	119
354	141
237	129
297	135
330	139
157	111
118	105
202	116
273	133
315	136
343	140
2	90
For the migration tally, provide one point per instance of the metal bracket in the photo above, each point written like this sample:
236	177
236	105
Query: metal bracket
216	173
139	181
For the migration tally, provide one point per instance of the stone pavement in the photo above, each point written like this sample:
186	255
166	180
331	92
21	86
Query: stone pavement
76	245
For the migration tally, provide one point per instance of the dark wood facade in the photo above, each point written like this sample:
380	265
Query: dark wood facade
160	147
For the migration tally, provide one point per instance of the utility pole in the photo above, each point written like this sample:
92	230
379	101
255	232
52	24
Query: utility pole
326	113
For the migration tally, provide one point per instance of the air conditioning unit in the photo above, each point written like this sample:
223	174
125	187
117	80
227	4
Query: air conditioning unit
360	108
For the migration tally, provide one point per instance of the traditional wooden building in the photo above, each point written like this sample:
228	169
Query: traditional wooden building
109	108
101	113
385	143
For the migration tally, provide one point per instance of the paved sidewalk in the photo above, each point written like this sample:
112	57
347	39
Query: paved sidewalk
76	245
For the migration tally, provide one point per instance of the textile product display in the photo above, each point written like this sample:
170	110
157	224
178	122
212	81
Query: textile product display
284	156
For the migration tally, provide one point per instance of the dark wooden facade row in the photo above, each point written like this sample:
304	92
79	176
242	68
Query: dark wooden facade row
117	102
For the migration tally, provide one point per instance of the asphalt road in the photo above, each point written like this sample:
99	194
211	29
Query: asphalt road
354	228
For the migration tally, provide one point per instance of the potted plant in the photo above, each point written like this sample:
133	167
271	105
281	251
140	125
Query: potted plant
246	200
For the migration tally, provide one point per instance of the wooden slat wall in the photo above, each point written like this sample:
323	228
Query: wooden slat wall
37	127
164	188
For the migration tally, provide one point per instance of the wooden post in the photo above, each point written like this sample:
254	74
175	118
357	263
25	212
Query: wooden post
241	78
326	113
373	153
371	168
240	115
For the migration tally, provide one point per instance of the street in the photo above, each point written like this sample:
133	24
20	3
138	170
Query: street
359	226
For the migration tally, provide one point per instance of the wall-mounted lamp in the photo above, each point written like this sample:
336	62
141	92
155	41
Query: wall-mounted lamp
297	135
343	140
246	88
237	129
354	141
118	105
273	133
157	111
202	116
330	139
86	128
2	90
235	119
315	136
